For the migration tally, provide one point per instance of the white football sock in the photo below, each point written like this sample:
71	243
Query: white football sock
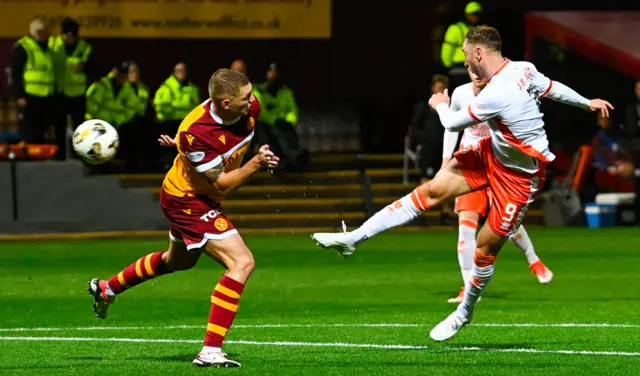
481	275
210	349
466	247
395	214
521	240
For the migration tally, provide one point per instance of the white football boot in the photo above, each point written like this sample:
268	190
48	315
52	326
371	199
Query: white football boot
449	327
101	301
214	359
335	240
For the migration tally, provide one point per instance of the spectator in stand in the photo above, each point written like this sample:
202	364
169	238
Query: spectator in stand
173	101
632	122
610	152
32	80
72	62
142	119
114	100
239	65
426	128
278	121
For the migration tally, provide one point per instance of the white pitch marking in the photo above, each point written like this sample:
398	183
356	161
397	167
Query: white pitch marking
330	344
382	325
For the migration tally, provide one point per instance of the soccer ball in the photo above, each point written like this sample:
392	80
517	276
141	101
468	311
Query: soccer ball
96	141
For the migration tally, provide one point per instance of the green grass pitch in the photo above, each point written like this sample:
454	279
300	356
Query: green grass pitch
307	312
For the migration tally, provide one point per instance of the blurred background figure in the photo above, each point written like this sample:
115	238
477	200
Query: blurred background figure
278	121
173	100
239	65
426	127
142	92
145	126
114	100
451	52
32	80
611	152
72	61
632	120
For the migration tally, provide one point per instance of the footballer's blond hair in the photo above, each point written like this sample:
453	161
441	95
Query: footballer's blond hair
486	36
226	83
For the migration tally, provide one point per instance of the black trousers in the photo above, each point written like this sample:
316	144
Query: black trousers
69	107
35	118
430	158
76	108
131	149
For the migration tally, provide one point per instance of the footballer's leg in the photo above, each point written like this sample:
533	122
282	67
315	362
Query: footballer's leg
234	255
489	244
511	194
467	229
521	240
448	183
153	265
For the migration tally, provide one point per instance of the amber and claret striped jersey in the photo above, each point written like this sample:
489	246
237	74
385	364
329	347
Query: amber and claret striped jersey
204	141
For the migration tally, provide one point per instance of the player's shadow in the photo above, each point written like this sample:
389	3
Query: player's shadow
489	295
181	358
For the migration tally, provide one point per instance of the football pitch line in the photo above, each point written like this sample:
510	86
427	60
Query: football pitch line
332	344
339	325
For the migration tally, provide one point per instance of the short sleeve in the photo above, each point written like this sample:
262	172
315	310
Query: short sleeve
201	156
485	106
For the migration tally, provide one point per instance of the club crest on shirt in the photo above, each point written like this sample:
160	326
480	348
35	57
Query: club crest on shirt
222	139
221	224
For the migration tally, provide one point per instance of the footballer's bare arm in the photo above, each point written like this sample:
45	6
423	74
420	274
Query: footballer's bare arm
214	173
227	182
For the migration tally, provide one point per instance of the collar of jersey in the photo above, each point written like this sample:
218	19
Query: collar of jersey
504	64
218	119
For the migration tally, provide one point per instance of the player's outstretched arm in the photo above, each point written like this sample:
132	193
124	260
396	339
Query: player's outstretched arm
227	182
562	93
559	92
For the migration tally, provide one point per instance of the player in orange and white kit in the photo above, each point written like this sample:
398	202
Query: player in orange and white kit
474	206
512	162
211	142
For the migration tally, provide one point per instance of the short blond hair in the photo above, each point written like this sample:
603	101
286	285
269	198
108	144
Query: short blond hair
486	36
226	83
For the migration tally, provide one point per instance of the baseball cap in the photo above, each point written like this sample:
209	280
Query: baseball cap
473	7
69	27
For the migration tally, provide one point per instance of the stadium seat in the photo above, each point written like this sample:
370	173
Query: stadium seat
411	155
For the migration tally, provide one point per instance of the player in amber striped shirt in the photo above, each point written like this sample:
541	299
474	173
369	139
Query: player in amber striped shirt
211	142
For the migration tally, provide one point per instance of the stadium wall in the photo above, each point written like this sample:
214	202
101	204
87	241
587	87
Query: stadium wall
61	197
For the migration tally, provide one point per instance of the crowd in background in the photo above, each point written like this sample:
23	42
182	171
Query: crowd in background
48	78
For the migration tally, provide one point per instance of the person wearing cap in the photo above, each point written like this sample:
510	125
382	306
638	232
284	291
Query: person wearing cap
173	101
279	117
32	81
114	100
451	52
72	59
